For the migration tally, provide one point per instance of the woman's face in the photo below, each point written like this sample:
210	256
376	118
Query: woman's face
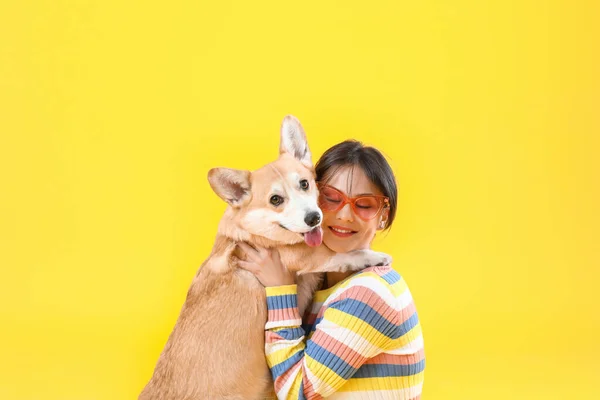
343	231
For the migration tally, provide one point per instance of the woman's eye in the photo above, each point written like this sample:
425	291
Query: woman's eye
363	207
304	184
329	199
276	200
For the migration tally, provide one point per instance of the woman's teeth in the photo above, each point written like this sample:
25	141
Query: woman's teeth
340	230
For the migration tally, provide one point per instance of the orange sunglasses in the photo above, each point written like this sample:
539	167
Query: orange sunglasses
365	207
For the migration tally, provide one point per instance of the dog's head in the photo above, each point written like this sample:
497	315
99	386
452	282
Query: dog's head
279	200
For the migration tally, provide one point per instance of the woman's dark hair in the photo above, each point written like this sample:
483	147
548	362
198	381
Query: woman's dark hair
370	160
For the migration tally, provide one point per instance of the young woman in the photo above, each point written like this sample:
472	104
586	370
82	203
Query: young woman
361	338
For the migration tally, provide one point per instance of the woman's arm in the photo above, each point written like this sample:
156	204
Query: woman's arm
367	316
357	325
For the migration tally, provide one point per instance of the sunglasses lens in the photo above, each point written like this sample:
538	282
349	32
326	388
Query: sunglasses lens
367	207
330	199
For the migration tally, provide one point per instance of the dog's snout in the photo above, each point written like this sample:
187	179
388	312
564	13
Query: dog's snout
312	218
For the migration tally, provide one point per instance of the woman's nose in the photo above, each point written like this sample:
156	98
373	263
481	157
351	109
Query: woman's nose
345	214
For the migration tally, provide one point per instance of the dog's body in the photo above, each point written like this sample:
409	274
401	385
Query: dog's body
216	350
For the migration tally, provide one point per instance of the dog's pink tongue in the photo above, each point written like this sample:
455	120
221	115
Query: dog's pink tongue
314	238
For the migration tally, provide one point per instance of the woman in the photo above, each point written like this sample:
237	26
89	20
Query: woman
361	338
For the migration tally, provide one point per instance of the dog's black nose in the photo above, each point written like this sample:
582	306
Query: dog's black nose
312	219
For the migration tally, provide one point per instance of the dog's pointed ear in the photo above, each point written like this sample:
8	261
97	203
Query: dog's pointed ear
293	140
232	185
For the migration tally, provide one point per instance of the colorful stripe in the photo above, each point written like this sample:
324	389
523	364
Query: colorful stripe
361	340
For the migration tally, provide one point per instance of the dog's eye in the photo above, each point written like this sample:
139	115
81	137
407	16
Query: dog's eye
276	200
304	184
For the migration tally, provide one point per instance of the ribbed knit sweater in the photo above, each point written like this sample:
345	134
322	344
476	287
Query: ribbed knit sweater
361	339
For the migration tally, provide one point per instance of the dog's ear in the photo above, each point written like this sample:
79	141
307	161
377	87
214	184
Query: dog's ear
293	140
232	185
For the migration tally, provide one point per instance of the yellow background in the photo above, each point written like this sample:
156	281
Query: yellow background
112	112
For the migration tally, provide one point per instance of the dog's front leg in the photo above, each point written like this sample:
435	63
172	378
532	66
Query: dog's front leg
351	261
311	264
302	259
308	279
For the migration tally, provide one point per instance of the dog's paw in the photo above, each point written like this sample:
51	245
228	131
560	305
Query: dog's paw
371	258
355	261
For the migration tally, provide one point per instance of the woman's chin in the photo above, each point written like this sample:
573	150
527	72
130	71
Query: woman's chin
338	245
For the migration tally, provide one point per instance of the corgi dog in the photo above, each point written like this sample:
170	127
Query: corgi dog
216	349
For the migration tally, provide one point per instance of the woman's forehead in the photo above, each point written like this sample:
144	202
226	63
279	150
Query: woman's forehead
353	181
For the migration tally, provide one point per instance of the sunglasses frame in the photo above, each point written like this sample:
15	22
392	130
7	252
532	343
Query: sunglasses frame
383	201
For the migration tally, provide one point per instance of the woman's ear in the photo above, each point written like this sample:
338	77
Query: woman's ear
383	219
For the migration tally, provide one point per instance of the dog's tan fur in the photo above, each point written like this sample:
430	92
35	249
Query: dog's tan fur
216	349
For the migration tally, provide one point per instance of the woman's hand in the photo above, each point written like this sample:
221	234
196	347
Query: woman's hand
266	265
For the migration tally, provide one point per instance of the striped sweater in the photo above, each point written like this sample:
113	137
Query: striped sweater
360	340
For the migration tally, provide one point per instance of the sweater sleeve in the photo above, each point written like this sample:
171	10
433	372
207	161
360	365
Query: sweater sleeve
358	323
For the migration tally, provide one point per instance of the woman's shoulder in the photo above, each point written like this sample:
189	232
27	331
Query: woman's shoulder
385	272
377	277
373	282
